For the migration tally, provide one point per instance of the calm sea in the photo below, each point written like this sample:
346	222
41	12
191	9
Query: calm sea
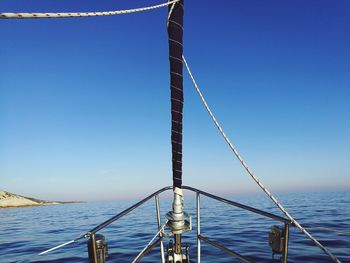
25	232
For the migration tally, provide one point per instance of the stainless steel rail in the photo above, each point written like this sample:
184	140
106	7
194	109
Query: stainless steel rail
245	207
123	213
159	241
200	237
159	227
225	249
198	205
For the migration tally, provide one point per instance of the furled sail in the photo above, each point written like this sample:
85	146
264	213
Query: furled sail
175	32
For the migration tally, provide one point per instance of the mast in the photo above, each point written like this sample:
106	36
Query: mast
177	217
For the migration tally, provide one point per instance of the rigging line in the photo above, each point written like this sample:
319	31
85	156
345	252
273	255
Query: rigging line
170	12
57	247
82	14
339	232
50	250
267	192
149	243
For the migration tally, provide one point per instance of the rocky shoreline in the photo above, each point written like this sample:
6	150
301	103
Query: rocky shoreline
10	200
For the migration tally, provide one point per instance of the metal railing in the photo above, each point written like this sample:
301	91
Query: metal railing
199	237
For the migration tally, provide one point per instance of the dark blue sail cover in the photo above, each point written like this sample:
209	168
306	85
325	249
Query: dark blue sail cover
175	32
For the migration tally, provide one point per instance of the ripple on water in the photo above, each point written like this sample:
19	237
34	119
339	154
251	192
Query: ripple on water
25	232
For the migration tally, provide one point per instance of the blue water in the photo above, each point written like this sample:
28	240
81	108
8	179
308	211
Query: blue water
25	232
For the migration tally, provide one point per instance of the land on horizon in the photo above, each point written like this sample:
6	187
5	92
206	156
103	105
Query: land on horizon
11	200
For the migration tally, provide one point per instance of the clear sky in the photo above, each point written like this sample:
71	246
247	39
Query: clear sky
85	109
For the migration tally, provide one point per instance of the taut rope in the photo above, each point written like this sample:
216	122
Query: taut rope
250	172
81	14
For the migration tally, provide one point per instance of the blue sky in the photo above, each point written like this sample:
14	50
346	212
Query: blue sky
84	103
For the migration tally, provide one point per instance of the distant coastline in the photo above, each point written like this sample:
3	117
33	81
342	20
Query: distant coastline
11	200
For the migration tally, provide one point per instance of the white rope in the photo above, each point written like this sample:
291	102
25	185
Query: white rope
339	232
81	14
57	247
49	250
149	243
322	228
169	15
269	194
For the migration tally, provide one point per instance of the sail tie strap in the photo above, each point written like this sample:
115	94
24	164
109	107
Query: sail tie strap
82	14
252	175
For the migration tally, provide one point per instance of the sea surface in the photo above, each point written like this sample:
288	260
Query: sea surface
25	232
